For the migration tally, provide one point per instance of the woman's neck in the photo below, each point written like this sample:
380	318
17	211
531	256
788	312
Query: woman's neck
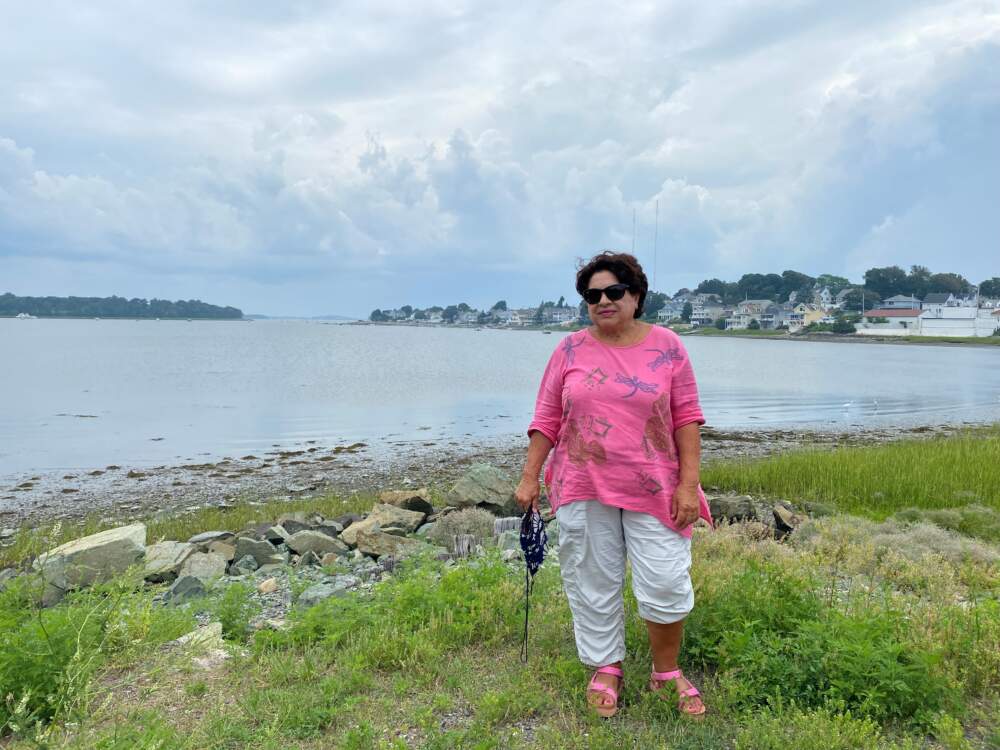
629	333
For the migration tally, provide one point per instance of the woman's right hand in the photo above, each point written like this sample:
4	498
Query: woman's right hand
527	493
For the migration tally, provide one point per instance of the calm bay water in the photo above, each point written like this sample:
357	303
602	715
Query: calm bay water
77	394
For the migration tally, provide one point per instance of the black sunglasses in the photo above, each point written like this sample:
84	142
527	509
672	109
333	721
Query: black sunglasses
614	293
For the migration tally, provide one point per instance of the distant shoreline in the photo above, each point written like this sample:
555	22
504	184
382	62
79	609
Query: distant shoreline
835	338
120	317
823	337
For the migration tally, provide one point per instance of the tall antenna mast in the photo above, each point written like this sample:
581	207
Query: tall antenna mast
656	232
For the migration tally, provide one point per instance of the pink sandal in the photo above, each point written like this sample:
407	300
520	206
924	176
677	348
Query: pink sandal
684	702
603	710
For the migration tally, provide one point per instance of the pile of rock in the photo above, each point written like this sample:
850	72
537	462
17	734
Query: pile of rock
365	545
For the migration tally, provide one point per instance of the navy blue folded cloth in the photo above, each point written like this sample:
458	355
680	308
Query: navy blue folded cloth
533	541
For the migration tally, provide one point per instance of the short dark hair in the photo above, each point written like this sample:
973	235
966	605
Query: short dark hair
625	268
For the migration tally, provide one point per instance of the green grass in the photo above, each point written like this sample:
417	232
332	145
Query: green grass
853	633
812	644
877	481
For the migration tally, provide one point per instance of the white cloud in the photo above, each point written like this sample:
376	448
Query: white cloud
285	145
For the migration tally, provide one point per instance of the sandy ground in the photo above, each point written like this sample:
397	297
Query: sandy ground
120	493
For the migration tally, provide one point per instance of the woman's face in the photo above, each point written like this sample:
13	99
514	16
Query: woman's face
608	314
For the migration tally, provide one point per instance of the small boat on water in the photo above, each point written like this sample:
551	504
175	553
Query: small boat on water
24	316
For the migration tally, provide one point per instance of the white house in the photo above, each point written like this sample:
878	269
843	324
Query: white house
890	322
552	314
901	302
502	316
747	311
705	313
823	298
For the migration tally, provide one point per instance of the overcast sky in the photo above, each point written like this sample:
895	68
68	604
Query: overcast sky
307	158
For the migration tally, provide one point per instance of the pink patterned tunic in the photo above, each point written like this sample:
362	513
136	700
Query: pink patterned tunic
611	413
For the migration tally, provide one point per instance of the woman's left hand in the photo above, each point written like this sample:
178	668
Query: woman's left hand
685	505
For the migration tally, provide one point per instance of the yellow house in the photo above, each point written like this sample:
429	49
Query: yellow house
802	315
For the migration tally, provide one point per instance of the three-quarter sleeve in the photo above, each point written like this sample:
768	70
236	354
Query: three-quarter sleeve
548	404
684	404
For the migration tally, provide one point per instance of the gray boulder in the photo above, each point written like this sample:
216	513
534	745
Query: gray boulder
330	528
308	560
205	637
211	536
733	508
90	559
316	542
375	543
223	549
261	550
347	519
184	589
244	566
164	560
418	500
275	534
320	592
487	487
384	515
785	519
204	565
292	526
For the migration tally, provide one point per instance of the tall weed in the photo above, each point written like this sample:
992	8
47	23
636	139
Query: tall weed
48	656
769	634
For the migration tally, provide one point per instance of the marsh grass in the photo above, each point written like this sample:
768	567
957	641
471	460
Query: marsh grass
877	481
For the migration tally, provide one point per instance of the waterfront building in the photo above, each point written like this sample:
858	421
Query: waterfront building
747	311
901	302
803	315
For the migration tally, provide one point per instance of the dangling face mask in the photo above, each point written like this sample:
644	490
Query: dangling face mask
533	541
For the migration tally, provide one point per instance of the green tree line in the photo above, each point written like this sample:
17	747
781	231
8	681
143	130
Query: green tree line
113	307
882	282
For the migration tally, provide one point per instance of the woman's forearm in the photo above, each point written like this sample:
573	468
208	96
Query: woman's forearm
688	441
538	451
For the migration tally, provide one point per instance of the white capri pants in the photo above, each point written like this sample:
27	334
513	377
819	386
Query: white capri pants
594	540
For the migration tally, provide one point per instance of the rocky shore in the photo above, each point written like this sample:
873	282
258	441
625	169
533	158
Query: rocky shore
122	493
302	558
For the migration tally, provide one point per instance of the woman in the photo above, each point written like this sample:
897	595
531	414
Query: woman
619	405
